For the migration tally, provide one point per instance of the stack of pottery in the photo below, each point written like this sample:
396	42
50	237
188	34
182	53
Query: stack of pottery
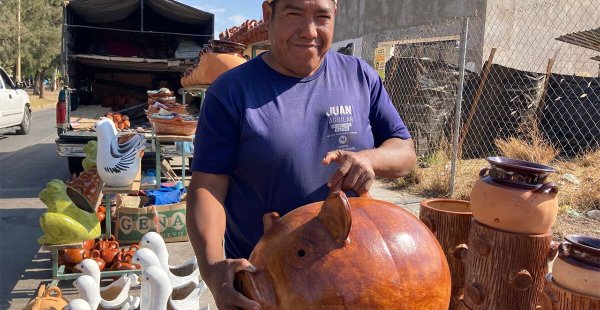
450	221
575	279
216	58
510	239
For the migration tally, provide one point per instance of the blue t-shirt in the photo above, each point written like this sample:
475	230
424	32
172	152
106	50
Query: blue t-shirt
269	132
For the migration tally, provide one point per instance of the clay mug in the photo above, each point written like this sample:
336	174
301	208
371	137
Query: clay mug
577	267
72	257
123	262
108	248
513	196
97	257
89	244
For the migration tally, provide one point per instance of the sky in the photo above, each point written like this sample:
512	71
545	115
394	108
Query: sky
228	13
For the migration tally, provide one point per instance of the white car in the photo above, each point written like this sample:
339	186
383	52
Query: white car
15	106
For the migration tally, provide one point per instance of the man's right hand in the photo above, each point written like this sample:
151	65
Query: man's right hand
219	278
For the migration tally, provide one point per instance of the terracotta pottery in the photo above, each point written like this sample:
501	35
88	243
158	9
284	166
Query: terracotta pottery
513	196
101	213
123	262
72	257
223	56
89	244
108	248
47	299
450	221
577	267
347	253
97	257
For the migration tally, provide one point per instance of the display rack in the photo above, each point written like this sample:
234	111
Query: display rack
172	139
59	272
195	90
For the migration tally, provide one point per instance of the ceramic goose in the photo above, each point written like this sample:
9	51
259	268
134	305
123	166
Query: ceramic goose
146	258
121	286
90	292
118	165
78	304
161	298
189	268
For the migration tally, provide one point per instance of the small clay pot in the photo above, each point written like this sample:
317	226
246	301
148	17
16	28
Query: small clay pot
89	244
72	257
50	298
101	213
577	266
512	196
108	248
97	257
123	262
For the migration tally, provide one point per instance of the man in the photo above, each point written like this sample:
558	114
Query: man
270	131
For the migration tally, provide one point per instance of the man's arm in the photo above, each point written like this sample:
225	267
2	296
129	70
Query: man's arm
206	227
357	170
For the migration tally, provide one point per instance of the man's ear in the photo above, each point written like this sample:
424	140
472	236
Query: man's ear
267	13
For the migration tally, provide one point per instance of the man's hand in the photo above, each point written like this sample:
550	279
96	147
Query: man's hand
354	173
219	279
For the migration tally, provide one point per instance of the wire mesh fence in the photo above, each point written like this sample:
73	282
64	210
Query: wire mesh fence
530	89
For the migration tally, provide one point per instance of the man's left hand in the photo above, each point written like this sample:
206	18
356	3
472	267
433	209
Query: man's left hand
354	173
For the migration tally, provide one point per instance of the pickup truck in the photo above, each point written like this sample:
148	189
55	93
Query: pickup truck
15	106
113	52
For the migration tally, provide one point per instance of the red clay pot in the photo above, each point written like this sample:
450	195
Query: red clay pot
347	253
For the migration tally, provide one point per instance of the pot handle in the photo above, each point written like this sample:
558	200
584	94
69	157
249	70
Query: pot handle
53	291
483	172
460	251
95	254
550	187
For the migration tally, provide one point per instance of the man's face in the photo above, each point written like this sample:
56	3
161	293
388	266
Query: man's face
301	32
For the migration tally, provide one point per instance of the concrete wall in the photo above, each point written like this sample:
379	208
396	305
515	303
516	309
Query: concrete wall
525	32
391	20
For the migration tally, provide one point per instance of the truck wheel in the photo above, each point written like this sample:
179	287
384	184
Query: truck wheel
25	125
75	165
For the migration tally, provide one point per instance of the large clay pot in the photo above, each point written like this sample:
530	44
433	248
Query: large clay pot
513	196
450	221
347	253
223	56
577	267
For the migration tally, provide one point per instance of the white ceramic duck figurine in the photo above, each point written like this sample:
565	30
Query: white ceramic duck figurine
161	292
189	269
118	165
90	292
146	258
122	285
78	304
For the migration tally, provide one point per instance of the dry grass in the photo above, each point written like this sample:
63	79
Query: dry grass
40	104
584	193
533	147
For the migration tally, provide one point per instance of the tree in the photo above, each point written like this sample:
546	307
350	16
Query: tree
40	37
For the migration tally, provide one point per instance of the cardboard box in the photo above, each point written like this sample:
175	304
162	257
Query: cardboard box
133	223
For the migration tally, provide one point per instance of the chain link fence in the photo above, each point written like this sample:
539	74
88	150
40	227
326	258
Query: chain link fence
519	82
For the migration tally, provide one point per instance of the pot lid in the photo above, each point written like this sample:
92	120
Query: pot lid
520	165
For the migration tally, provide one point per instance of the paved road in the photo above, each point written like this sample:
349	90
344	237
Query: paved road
27	163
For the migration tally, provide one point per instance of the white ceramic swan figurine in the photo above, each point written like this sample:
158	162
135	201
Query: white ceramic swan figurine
118	164
146	258
160	297
111	291
90	292
181	274
78	304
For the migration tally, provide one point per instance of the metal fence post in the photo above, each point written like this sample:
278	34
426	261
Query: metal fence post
459	99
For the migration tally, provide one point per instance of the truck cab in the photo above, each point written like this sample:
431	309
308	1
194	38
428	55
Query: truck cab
113	52
15	106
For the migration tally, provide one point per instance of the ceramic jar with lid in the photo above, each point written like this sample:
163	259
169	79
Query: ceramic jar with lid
513	195
577	267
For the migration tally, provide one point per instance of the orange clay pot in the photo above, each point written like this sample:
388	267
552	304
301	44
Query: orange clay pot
50	298
347	253
514	197
577	267
97	257
212	65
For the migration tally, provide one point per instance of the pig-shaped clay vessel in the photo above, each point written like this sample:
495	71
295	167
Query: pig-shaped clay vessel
347	253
